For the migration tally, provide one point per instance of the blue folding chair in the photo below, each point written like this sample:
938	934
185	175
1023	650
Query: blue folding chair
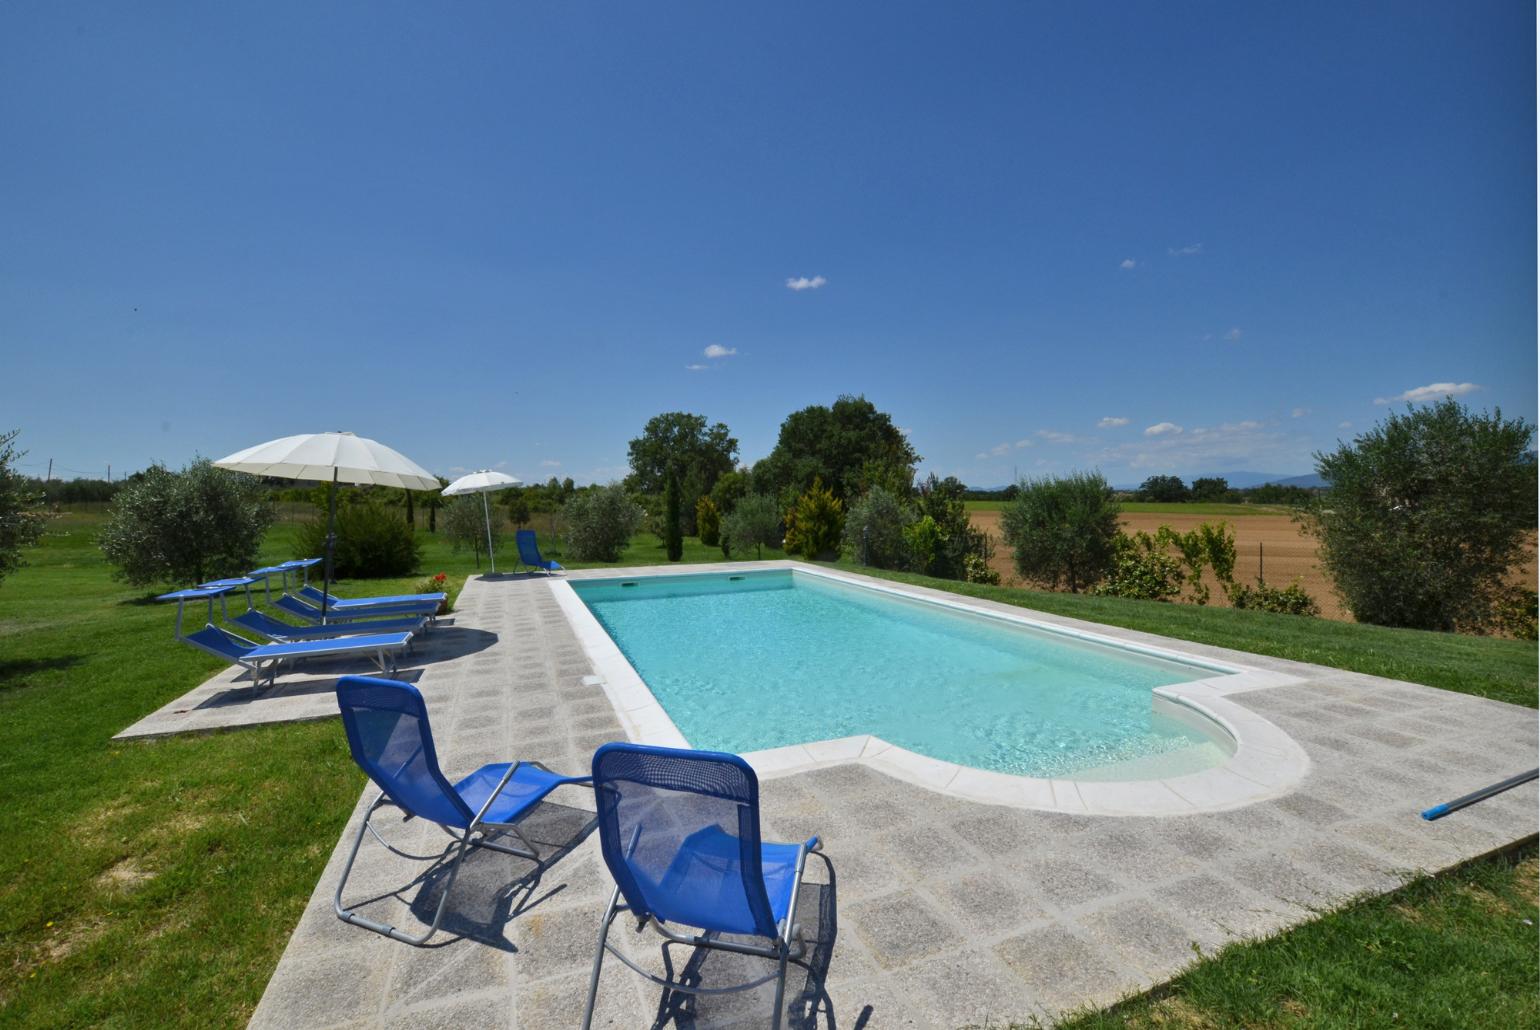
679	831
388	732
529	552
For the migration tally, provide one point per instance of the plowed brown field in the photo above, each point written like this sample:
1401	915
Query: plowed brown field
1285	554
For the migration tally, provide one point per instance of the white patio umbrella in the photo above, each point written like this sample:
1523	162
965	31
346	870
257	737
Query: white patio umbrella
334	457
483	482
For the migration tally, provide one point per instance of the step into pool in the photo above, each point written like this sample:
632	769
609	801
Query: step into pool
747	661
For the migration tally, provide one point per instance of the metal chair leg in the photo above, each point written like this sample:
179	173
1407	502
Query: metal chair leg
593	980
384	929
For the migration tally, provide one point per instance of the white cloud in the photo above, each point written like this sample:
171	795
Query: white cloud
1191	250
1000	449
1054	436
1128	264
1247	426
1344	424
550	463
1299	412
800	283
1024	443
1111	422
981	456
695	368
1234	335
501	465
459	468
1162	429
1431	392
716	350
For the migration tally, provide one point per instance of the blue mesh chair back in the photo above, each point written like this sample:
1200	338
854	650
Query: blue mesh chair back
679	831
388	732
529	550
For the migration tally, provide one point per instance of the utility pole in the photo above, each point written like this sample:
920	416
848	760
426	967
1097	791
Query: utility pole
49	476
109	475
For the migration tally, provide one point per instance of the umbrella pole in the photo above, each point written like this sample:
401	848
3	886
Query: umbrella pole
487	511
331	540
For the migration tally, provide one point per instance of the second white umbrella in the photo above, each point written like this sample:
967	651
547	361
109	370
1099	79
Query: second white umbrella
483	482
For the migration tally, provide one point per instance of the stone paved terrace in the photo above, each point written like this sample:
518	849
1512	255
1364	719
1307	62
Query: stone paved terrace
942	912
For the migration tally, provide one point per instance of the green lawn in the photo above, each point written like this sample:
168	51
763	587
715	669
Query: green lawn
1178	508
151	884
1457	950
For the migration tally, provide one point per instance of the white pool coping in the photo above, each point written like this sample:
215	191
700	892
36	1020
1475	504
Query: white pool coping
1267	762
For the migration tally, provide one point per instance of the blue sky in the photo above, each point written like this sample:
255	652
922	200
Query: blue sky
1141	237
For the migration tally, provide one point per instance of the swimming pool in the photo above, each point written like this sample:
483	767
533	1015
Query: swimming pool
756	660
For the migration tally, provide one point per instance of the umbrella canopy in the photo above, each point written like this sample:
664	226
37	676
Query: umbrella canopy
480	482
332	457
483	483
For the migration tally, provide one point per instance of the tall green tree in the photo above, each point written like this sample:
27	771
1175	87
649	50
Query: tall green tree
1063	530
1425	515
21	518
848	445
673	531
696	451
1164	490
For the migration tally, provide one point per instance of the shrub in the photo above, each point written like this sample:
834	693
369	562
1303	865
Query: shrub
755	522
874	530
942	501
924	541
1210	546
814	523
1142	569
600	523
436	584
976	569
21	523
708	522
1289	600
673	533
1063	530
1425	515
187	527
465	525
371	541
1515	613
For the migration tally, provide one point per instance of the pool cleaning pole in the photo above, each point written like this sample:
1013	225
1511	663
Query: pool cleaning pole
1439	811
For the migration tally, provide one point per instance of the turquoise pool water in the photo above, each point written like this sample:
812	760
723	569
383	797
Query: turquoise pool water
766	659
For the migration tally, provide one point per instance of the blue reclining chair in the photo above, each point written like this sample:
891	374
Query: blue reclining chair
529	553
679	831
388	733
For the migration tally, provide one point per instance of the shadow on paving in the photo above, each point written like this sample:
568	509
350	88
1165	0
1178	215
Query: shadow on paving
807	1004
492	889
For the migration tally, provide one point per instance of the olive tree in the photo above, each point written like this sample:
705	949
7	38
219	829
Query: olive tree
21	521
1063	530
186	527
601	522
1425	515
755	522
465	525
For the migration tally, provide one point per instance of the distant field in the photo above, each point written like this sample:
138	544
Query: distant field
1151	508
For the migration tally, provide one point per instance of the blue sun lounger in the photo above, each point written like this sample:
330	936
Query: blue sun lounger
679	831
391	603
279	631
303	609
529	553
389	736
263	660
